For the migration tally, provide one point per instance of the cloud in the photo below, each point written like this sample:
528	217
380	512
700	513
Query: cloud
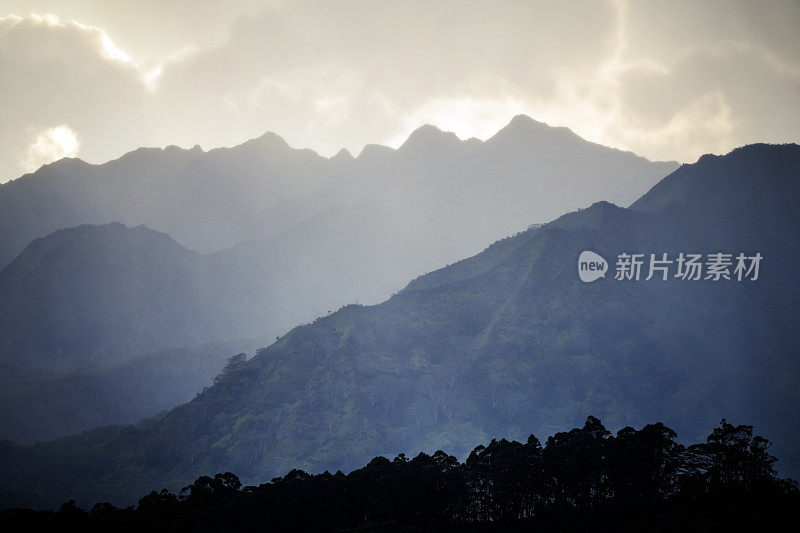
149	30
667	80
65	73
329	75
50	145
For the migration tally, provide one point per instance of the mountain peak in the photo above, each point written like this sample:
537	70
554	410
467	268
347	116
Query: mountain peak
590	216
526	123
342	155
65	165
269	140
427	136
112	230
374	150
86	240
525	128
524	120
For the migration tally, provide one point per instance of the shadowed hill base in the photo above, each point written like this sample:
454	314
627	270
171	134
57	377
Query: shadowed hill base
39	407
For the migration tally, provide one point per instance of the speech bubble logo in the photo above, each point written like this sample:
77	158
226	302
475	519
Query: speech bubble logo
591	266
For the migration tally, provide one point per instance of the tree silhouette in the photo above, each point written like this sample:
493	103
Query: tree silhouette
582	479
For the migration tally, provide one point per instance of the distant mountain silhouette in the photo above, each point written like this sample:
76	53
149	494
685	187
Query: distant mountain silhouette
508	342
211	200
204	199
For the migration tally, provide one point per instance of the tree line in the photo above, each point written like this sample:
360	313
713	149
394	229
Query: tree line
580	480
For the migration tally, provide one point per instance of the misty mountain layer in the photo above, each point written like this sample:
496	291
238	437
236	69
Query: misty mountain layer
95	295
300	234
528	172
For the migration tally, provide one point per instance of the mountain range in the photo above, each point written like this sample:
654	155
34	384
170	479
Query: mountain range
507	342
164	249
211	200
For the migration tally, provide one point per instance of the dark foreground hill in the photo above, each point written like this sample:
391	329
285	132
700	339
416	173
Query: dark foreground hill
508	342
581	480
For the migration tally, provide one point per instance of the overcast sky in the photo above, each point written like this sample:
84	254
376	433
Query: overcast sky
667	80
